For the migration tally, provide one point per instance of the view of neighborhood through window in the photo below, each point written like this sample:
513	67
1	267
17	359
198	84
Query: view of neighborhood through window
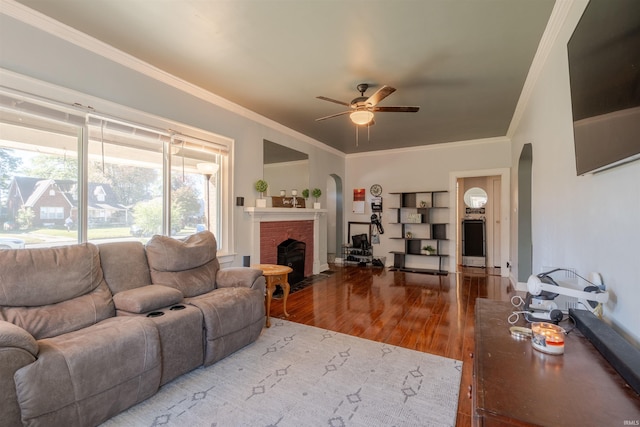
41	203
38	181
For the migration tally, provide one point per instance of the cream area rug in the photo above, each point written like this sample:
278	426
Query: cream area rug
297	375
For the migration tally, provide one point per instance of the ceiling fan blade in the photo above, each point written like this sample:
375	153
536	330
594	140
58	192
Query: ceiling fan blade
333	115
396	109
324	98
381	94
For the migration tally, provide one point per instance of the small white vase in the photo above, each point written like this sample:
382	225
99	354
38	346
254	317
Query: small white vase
316	205
261	203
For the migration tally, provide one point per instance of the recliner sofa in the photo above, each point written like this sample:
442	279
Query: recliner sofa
87	331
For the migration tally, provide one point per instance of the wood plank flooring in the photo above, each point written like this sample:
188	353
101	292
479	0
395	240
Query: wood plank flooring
434	314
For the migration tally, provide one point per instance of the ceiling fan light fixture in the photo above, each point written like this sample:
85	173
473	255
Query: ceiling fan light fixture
361	117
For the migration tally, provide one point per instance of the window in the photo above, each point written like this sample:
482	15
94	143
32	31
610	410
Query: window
195	186
130	182
51	212
38	172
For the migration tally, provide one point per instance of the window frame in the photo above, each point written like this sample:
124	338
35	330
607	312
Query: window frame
142	119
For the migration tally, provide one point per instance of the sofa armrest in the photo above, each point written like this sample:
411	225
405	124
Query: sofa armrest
16	337
240	277
17	350
146	298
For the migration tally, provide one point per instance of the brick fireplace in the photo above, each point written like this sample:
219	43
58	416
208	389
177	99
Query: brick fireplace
272	226
276	232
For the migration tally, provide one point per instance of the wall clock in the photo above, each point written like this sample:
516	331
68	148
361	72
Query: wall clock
376	190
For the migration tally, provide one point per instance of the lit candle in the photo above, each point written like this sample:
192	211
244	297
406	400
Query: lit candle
547	337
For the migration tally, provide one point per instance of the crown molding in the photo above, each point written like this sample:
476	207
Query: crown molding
430	147
555	24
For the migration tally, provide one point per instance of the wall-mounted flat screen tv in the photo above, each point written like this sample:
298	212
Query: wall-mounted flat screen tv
604	72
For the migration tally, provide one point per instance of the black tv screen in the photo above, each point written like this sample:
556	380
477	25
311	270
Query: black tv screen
604	73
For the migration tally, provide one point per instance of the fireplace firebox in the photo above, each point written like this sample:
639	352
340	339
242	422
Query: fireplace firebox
291	253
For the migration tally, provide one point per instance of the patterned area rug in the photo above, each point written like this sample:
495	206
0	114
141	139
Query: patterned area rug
298	375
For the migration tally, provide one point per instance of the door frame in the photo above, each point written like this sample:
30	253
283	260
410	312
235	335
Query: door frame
505	196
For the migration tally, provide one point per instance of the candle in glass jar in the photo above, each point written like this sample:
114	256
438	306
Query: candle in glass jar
547	337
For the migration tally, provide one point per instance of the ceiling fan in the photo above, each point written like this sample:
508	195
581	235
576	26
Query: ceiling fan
363	107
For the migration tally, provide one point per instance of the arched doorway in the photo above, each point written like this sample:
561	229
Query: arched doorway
335	216
525	246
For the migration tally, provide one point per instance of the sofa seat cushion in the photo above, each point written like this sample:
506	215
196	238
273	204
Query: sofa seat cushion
146	298
233	318
188	265
85	377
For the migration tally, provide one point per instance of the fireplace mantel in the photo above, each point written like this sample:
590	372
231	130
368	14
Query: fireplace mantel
318	216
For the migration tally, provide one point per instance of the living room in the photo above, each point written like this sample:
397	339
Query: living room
587	223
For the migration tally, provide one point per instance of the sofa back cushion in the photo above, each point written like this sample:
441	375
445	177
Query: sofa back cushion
188	265
124	265
52	291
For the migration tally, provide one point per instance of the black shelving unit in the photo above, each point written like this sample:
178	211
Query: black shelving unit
416	225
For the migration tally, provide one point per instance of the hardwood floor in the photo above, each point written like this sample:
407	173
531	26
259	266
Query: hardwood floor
434	314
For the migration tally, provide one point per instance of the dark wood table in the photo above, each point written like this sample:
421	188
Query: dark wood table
516	385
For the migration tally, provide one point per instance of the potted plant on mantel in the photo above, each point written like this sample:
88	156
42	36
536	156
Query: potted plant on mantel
316	193
429	250
261	186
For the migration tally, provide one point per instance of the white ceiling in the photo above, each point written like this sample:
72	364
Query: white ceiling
464	62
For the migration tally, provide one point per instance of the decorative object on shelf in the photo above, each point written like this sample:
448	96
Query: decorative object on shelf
376	190
261	186
287	202
316	193
423	204
409	235
414	218
429	250
305	193
283	193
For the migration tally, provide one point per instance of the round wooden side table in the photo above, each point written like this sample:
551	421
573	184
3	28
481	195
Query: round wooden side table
275	275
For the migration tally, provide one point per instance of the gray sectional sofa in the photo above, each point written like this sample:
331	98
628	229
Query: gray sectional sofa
87	331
